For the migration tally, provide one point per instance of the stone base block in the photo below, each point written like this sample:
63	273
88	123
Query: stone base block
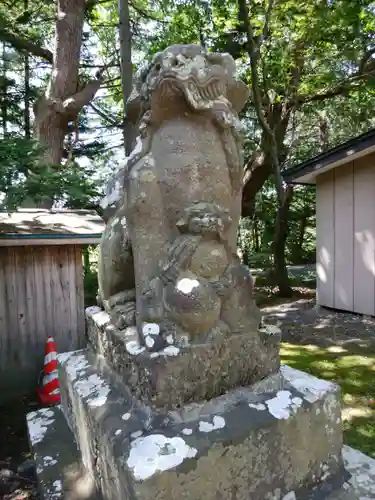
58	463
177	375
278	439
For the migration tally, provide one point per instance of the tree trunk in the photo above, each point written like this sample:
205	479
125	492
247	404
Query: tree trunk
256	244
298	244
27	121
27	126
64	97
129	132
259	167
4	92
280	235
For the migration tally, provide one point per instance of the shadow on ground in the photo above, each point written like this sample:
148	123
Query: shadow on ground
16	482
355	373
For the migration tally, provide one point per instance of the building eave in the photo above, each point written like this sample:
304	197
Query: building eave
307	172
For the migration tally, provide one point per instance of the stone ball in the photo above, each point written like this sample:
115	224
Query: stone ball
192	303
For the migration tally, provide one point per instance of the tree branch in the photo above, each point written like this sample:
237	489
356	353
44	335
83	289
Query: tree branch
145	14
105	117
253	50
342	88
24	45
267	20
73	104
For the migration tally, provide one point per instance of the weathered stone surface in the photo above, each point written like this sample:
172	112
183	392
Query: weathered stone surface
172	241
279	436
176	375
58	465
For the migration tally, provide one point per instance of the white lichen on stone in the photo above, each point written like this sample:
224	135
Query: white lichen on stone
311	387
101	318
331	406
149	341
94	388
270	330
170	350
126	416
136	434
157	453
75	363
57	485
55	491
38	423
187	285
134	348
187	432
183	340
282	406
150	329
257	406
217	423
362	469
130	332
289	496
89	311
49	461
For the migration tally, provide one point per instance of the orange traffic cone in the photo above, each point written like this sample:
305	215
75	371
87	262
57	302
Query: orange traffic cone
49	389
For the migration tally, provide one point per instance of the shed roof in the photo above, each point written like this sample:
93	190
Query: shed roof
307	171
50	227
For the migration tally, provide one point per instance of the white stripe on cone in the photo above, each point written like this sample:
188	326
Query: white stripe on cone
50	339
49	377
56	391
51	356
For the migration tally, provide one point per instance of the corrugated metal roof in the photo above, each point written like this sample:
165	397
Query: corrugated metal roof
51	224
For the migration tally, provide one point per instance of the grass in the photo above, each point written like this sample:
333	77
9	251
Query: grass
354	371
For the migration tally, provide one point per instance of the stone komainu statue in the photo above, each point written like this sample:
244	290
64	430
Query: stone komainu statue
168	261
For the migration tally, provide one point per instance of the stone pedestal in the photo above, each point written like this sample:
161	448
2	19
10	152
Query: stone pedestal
278	438
175	375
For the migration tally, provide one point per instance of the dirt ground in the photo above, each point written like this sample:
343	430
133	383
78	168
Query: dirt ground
17	477
301	322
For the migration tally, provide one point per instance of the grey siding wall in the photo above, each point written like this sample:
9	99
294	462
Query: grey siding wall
345	213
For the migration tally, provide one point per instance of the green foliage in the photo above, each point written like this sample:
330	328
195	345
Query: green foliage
18	157
90	276
23	177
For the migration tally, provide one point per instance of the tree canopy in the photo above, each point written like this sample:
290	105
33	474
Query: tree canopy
67	69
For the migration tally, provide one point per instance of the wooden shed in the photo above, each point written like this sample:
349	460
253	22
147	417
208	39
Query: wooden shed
345	223
41	289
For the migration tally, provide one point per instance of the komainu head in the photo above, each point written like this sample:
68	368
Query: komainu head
188	71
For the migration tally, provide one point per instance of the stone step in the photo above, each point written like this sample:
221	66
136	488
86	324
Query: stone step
61	475
285	427
58	463
103	416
